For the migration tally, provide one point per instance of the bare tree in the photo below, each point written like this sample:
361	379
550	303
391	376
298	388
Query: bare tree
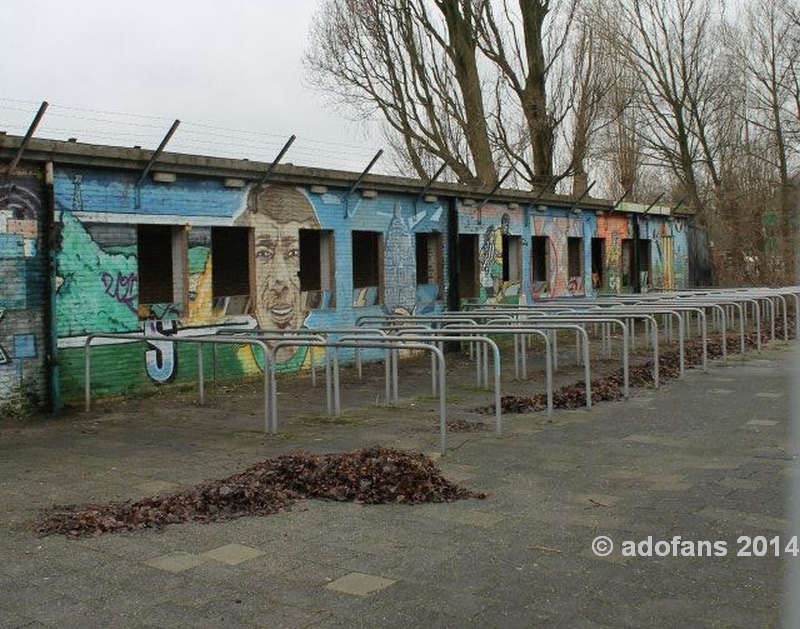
513	38
667	45
470	83
415	64
594	96
764	50
623	144
765	47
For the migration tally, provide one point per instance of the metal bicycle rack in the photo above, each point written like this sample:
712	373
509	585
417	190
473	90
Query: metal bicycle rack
200	340
376	343
467	325
720	309
439	337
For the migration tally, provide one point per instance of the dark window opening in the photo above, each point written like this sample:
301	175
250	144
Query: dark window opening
429	258
575	266
154	251
310	270
367	257
644	263
575	257
627	262
422	258
598	258
506	254
317	264
540	255
512	249
468	266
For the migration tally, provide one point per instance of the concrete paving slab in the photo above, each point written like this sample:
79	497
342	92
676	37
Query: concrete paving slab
762	422
771	395
360	584
755	521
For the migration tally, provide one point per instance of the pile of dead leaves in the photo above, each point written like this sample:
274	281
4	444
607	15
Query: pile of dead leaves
372	476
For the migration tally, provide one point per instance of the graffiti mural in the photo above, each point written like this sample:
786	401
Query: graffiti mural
199	292
491	260
99	281
96	284
663	258
399	267
121	288
670	270
277	214
559	229
23	281
20	264
614	229
499	271
367	250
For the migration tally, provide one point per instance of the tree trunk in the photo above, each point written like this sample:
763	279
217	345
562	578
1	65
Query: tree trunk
462	51
534	96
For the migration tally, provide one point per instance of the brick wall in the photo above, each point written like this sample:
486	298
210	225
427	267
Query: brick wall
23	286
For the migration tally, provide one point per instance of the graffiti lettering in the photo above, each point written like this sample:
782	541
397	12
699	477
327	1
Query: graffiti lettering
161	359
122	287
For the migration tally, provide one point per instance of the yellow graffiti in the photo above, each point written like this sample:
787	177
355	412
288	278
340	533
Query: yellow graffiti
201	305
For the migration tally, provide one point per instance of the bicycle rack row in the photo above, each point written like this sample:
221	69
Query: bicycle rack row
269	352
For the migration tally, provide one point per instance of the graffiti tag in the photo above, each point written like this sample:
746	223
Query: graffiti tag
122	288
164	311
161	359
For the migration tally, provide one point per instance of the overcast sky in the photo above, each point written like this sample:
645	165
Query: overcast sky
217	66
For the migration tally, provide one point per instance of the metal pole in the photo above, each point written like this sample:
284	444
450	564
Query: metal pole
158	151
28	135
275	161
87	372
200	373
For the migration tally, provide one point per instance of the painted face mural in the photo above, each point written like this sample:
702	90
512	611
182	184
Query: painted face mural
277	214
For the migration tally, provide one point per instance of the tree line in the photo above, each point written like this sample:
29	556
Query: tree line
693	102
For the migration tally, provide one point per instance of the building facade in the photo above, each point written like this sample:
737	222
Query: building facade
107	240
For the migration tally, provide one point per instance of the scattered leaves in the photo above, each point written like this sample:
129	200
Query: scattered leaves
609	388
464	425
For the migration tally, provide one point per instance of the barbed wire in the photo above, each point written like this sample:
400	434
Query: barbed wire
113	128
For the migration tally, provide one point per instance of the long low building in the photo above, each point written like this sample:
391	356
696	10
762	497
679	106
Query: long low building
107	239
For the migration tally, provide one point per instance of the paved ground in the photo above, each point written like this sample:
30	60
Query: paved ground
707	459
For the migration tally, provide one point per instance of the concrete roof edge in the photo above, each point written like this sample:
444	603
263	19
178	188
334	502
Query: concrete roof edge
75	153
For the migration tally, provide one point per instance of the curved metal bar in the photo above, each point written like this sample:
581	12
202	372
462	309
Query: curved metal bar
376	343
87	351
